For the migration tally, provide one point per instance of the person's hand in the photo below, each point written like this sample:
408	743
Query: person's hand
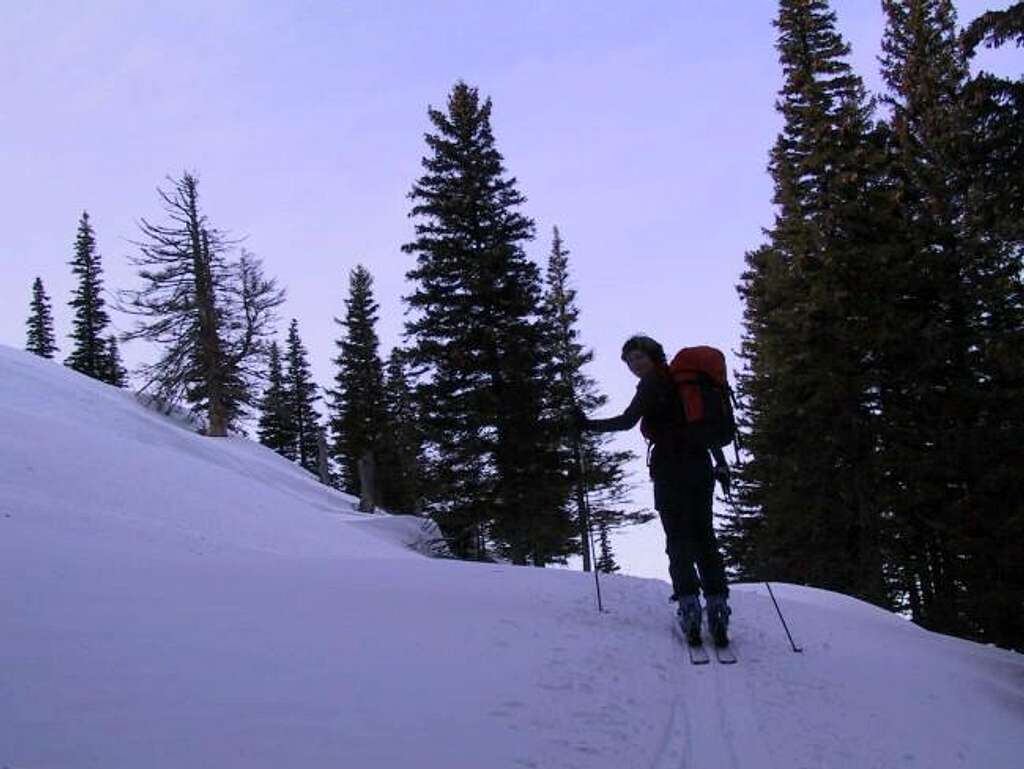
724	477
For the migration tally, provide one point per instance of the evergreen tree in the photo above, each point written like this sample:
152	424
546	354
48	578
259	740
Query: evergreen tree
210	317
931	399
400	444
805	504
301	395
606	560
357	402
89	355
953	396
114	371
276	428
40	340
570	387
474	338
994	562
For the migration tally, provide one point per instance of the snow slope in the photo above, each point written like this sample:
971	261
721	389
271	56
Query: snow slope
169	601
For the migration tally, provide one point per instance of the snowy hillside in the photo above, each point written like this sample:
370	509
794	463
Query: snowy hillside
171	601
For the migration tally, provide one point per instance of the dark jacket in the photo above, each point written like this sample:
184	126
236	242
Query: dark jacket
656	406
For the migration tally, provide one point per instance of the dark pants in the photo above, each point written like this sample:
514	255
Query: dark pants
684	489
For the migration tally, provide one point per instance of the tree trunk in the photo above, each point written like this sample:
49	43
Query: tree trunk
321	456
367	473
213	361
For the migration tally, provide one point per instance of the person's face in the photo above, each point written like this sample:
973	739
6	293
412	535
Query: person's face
639	362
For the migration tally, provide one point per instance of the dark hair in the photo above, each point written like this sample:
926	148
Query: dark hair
646	345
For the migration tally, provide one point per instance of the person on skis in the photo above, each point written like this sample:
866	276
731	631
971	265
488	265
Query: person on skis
684	481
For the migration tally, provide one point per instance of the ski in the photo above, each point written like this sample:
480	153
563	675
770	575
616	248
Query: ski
718	630
725	655
698	654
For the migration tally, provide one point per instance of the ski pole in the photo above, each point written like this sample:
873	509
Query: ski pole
584	501
784	625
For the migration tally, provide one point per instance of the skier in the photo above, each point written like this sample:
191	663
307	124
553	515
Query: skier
684	483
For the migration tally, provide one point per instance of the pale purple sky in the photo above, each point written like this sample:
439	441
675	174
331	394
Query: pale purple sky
641	129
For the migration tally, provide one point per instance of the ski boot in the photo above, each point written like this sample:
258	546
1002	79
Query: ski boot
688	614
718	612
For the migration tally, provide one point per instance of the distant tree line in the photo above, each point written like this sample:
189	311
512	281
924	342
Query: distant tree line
466	422
884	327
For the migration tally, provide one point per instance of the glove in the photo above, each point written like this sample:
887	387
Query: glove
724	478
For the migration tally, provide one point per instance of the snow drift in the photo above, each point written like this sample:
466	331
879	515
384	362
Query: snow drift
169	600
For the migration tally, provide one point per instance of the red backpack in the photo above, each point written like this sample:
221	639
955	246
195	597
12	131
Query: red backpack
703	386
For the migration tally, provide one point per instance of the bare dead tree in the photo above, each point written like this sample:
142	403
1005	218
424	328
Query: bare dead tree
210	317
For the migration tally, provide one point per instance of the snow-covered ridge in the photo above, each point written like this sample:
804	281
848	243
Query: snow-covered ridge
169	600
93	455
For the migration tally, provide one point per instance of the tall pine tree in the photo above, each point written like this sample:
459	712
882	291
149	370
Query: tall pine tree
806	507
474	338
994	566
300	390
930	399
89	353
953	395
357	400
40	338
880	393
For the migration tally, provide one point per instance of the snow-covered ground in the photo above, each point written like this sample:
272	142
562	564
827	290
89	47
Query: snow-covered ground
172	601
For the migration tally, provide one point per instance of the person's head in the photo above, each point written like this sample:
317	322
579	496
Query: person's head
642	354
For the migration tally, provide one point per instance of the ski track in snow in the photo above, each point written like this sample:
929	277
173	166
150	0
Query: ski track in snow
712	718
675	752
